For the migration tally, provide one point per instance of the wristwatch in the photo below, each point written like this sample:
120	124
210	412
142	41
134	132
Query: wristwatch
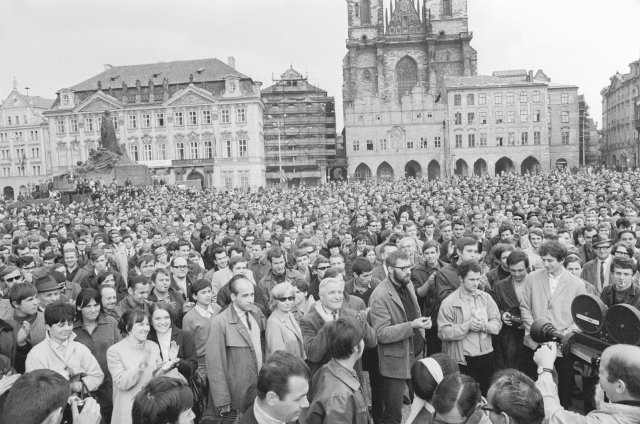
543	370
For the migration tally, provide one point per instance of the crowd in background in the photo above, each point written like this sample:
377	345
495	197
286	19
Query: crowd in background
385	293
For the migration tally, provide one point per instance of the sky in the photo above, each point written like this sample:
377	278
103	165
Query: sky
49	45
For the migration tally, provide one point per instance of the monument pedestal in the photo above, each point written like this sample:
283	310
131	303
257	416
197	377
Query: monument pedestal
136	173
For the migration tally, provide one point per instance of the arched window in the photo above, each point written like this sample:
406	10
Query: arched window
366	75
406	75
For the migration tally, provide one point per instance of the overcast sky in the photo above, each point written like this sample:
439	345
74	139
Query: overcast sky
48	45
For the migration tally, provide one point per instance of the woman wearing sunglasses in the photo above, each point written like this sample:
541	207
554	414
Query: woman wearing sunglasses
282	331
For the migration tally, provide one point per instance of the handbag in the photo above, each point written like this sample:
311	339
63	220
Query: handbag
83	395
200	390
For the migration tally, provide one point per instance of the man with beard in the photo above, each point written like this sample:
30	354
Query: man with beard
399	328
276	275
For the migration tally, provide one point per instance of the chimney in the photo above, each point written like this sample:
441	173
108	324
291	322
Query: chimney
231	61
531	75
107	66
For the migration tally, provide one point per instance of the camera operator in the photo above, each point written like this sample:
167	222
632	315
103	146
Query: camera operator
623	288
47	407
619	380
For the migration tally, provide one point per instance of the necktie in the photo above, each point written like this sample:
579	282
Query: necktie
334	314
601	274
248	321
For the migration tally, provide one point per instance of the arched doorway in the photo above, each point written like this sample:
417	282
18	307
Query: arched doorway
412	169
530	165
561	164
614	161
385	172
433	170
362	173
505	165
194	176
8	193
623	160
480	167
462	168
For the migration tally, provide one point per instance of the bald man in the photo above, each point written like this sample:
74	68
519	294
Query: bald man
619	380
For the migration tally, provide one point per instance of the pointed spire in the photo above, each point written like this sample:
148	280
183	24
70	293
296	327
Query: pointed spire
15	83
386	19
391	8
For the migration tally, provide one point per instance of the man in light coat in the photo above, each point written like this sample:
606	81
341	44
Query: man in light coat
548	294
234	352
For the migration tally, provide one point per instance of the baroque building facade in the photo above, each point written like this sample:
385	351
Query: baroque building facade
411	100
299	132
621	118
24	141
187	120
511	121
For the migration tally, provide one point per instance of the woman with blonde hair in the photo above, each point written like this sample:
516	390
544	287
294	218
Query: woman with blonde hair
282	331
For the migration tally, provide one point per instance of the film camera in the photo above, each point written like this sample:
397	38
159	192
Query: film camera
599	328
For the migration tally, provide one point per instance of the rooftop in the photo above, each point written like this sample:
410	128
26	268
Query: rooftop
177	72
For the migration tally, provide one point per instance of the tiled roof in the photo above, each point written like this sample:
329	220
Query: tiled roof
40	102
176	72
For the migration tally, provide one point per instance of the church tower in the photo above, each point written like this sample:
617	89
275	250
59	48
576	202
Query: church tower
393	84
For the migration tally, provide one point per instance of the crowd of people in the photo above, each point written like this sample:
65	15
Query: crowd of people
342	303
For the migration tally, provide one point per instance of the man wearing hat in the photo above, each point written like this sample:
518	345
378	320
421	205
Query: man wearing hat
598	271
48	291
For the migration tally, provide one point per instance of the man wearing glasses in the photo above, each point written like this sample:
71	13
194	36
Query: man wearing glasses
597	272
399	328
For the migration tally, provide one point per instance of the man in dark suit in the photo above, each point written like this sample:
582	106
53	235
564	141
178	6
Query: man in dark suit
399	327
598	271
283	384
508	344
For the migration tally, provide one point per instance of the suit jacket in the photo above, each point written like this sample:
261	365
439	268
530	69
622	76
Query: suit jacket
393	331
316	343
509	342
283	333
591	274
231	359
538	302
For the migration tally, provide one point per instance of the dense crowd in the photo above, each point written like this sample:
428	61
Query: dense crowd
339	303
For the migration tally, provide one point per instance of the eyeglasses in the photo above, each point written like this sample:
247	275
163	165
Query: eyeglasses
603	247
323	268
622	252
180	266
486	409
16	278
286	299
404	268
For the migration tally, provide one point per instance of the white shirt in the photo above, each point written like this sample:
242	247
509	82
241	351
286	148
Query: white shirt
553	282
204	313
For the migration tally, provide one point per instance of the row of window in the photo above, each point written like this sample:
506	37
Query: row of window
20	153
499	117
383	144
15	120
20	171
510	98
145	120
481	140
228	180
190	150
17	135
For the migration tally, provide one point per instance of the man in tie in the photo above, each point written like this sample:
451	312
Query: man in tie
548	293
234	352
597	271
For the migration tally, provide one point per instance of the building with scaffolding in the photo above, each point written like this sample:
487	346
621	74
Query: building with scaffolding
300	133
